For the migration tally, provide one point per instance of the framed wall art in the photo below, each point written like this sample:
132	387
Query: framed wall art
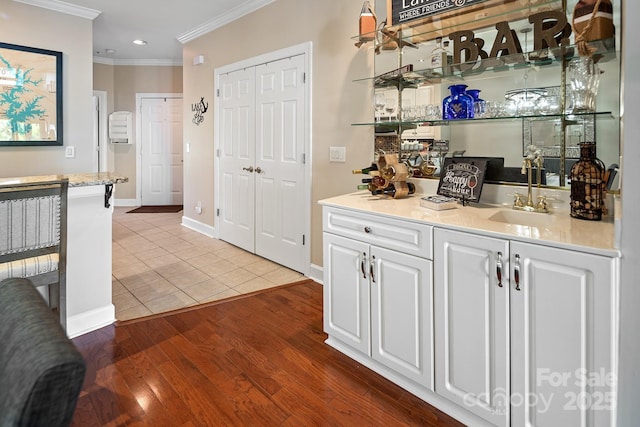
30	96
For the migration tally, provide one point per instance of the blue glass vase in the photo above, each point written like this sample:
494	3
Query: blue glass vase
458	105
478	103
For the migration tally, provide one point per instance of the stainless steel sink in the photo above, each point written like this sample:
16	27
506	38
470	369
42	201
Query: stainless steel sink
528	219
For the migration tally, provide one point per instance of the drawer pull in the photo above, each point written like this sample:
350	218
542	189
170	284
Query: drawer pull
499	269
516	272
364	273
367	229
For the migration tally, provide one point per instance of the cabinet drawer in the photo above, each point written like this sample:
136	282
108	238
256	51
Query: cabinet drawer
403	236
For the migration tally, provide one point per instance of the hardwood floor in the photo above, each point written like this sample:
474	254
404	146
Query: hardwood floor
258	360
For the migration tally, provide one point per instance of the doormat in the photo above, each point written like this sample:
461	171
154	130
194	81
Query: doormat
157	209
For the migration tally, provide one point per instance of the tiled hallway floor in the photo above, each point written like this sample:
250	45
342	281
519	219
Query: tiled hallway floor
159	265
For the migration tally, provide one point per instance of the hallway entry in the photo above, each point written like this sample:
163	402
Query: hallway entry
262	144
161	158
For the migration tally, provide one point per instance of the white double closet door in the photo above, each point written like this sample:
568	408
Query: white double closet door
262	160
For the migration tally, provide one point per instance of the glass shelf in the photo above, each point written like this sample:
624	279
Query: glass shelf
414	123
604	50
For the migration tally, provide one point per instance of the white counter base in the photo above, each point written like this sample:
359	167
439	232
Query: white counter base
89	240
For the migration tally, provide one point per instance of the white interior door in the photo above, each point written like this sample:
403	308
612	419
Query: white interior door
280	161
237	158
261	160
161	152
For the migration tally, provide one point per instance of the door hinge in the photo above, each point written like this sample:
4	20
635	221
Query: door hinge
304	77
218	93
304	158
303	240
218	152
218	212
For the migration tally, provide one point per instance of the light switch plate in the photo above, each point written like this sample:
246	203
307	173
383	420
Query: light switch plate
70	152
337	154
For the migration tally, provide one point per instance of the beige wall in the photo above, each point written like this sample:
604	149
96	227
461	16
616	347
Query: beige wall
336	100
37	27
122	83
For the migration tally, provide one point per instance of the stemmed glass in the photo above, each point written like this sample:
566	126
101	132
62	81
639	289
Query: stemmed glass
390	108
379	104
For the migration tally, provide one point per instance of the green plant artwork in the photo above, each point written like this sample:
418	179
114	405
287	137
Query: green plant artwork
30	96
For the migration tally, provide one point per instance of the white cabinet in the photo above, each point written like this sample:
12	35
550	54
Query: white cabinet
346	291
378	301
537	350
471	308
563	337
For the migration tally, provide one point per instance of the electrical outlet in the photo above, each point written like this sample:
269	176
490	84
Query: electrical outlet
70	152
337	154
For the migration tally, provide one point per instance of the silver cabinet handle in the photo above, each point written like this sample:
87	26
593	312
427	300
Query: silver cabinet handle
516	272
249	169
371	267
364	273
499	269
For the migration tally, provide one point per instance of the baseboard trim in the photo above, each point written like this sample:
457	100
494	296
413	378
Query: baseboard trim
91	320
198	226
316	273
126	203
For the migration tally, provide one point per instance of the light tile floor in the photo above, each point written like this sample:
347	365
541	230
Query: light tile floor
159	265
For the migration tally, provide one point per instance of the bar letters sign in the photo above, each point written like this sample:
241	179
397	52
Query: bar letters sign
403	11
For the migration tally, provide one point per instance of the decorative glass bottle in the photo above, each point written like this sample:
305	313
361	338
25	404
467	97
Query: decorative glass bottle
438	58
587	182
478	103
458	105
367	22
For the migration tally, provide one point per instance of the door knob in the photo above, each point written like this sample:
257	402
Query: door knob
249	169
258	170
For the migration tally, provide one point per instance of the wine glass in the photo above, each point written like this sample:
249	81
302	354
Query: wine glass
379	104
473	182
389	109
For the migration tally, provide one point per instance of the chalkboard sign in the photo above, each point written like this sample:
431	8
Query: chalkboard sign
462	178
403	11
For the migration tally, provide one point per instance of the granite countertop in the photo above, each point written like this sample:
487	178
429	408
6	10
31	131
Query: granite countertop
556	229
75	180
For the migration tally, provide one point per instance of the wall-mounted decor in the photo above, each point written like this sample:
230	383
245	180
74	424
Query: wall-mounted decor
198	111
30	96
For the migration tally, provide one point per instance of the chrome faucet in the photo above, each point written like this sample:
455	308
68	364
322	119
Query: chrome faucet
532	158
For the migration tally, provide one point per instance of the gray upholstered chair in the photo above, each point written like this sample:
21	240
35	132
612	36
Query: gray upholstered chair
33	237
41	371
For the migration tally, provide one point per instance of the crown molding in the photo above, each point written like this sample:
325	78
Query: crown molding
236	13
137	62
60	6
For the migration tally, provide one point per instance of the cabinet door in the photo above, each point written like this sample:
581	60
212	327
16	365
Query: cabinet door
346	291
563	337
401	314
471	309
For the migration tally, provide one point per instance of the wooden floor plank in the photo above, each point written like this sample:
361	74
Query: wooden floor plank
254	361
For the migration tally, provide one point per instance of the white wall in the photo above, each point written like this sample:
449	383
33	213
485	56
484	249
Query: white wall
41	28
336	100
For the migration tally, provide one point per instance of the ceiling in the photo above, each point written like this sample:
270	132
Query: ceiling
164	24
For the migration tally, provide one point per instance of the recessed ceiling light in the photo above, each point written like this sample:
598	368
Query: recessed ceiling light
140	42
110	51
